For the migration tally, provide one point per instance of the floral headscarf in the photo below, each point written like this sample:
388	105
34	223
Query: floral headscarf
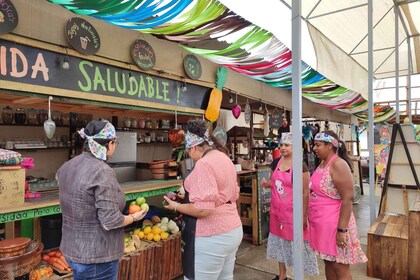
324	137
98	150
286	138
192	140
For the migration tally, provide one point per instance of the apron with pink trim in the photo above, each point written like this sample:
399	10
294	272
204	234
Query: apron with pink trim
324	213
281	210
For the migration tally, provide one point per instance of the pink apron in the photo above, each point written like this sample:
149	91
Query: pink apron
281	211
324	213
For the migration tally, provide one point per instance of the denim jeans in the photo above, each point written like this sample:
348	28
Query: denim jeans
95	271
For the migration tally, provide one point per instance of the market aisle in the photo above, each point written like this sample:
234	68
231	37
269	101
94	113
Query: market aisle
251	263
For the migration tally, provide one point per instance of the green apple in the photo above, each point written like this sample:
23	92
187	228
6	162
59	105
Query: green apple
133	202
145	207
140	200
127	239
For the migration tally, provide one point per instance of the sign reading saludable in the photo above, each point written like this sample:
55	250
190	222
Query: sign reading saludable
8	17
82	36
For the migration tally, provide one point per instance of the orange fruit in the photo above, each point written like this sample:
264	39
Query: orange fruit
156	230
140	234
164	235
150	236
133	209
147	230
136	231
156	237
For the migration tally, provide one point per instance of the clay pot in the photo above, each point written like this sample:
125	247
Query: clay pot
13	246
176	137
16	266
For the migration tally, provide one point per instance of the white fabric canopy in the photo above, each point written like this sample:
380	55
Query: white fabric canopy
338	35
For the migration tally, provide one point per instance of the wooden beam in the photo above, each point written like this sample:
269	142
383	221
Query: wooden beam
29	100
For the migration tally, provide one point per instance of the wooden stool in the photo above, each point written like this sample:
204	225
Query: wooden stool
388	248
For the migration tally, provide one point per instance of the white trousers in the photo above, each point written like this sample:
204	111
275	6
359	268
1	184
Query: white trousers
215	255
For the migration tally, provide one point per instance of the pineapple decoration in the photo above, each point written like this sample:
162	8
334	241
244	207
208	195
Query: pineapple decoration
215	101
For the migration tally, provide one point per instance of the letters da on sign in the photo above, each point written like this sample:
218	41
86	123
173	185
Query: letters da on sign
143	54
8	16
82	36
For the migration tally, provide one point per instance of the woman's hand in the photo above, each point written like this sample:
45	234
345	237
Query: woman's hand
137	216
340	238
171	204
181	193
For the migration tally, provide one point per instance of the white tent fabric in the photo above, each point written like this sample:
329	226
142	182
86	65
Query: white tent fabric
338	35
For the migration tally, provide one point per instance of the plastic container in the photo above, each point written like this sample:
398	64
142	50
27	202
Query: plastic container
51	231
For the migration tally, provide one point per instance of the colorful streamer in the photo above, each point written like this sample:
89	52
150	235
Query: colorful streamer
236	43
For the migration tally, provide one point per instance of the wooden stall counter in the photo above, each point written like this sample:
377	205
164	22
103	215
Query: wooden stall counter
49	204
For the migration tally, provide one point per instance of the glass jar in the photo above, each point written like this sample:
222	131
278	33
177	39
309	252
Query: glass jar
57	117
149	123
127	122
20	116
42	116
66	119
32	117
142	123
7	115
134	122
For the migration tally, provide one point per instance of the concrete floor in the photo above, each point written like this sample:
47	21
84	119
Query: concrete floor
251	262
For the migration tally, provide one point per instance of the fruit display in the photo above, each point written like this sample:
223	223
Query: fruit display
153	229
56	259
138	205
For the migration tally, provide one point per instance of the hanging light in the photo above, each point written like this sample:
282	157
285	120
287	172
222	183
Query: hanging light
131	78
261	106
184	86
230	99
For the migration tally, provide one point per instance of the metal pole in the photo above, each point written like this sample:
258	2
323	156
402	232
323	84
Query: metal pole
397	66
410	115
297	139
371	128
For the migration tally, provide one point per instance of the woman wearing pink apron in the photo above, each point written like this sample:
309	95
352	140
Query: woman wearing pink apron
331	220
280	239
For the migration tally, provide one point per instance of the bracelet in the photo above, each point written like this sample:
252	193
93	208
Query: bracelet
176	206
342	230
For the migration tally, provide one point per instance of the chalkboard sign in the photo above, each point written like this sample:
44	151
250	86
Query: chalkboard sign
28	65
82	36
263	204
143	54
275	119
8	17
192	67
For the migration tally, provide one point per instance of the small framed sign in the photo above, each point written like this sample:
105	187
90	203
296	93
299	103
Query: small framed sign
82	36
192	67
275	119
8	16
143	54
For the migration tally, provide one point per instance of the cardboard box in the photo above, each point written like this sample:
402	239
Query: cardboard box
12	187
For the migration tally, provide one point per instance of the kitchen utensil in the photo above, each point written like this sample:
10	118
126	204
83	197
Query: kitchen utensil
13	247
49	125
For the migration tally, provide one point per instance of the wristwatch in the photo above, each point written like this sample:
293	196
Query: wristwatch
342	230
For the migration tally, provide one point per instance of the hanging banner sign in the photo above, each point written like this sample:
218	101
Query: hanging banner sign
275	119
8	17
143	54
82	36
192	67
28	65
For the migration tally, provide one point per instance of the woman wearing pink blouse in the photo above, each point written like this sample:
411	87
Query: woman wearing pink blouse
212	229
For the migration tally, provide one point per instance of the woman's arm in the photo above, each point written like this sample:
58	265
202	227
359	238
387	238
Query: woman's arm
305	190
343	181
187	208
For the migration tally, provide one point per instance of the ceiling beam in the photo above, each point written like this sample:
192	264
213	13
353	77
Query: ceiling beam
337	11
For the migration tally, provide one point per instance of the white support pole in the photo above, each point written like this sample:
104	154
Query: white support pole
371	128
297	139
397	65
410	115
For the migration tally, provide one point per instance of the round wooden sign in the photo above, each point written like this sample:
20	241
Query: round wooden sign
8	17
143	54
192	67
82	36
